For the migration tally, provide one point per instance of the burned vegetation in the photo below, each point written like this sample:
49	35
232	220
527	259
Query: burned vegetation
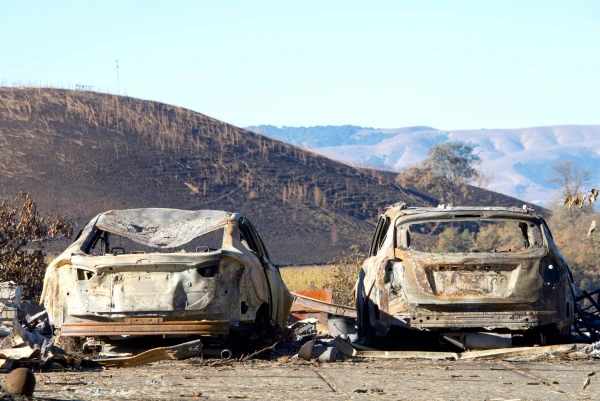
25	235
80	153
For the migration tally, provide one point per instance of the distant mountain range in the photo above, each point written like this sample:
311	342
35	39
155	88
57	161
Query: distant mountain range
518	160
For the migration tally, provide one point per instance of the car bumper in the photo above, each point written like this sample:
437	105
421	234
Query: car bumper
512	320
145	327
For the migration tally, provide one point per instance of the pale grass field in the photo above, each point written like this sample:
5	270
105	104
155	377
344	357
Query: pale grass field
306	277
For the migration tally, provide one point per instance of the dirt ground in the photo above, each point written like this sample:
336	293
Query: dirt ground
558	378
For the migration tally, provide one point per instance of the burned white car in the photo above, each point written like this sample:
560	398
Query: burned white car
164	272
478	276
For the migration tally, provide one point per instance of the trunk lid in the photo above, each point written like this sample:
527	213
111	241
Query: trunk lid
143	283
472	278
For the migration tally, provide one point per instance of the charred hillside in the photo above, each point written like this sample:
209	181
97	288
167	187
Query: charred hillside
80	153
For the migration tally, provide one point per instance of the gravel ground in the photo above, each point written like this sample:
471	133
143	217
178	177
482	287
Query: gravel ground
545	378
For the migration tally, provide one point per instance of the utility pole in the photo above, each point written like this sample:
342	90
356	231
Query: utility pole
118	93
118	84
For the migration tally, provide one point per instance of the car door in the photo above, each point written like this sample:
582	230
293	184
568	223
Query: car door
279	298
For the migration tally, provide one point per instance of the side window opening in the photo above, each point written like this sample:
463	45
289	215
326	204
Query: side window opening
260	245
247	237
373	250
384	231
380	235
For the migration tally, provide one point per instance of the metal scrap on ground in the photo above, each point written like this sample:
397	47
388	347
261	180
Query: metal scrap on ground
181	351
336	310
587	315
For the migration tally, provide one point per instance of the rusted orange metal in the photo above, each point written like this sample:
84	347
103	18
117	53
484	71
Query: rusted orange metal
321	294
300	311
144	328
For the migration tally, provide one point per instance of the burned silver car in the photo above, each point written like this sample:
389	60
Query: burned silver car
465	272
164	272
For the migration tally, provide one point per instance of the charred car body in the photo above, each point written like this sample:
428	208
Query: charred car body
164	272
465	272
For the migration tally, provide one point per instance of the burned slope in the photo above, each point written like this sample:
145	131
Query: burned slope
81	153
476	196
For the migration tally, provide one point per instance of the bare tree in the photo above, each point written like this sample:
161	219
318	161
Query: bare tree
24	232
446	172
570	177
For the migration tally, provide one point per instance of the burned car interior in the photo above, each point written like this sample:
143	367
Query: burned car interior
469	235
106	243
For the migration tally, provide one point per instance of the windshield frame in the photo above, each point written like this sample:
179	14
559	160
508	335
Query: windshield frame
535	234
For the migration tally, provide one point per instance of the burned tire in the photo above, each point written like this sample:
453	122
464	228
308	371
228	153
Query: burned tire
544	335
253	336
366	332
548	335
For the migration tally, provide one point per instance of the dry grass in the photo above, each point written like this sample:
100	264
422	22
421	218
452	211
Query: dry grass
344	274
84	152
181	131
306	277
340	276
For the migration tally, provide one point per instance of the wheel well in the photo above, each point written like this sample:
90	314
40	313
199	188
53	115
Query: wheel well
263	313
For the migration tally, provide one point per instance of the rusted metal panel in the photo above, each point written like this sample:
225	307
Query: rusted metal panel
303	310
92	329
322	317
517	320
322	294
337	310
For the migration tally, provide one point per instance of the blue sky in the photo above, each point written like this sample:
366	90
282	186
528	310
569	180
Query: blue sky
447	64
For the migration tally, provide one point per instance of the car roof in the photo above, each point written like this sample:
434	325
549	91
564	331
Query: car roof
160	227
449	211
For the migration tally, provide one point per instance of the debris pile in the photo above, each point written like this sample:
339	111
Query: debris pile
25	341
341	342
587	316
26	334
593	350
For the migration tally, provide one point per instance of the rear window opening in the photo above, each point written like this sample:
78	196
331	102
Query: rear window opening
469	236
105	243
